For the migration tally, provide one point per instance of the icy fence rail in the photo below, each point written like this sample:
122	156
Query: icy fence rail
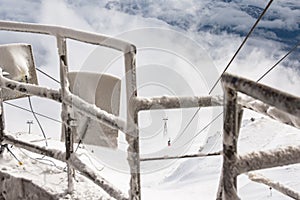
234	164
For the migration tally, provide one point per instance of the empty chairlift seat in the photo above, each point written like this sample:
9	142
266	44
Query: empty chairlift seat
104	92
16	62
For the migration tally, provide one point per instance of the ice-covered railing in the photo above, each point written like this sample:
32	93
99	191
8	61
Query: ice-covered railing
135	104
69	100
234	164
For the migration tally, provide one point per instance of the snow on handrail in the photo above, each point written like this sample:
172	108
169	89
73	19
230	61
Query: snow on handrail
30	89
259	178
83	106
285	106
166	102
61	31
267	159
281	100
269	111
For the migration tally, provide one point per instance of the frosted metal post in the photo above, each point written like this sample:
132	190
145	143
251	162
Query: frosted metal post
132	135
230	137
65	114
1	114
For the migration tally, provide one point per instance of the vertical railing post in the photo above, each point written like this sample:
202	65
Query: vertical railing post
230	137
2	125
65	113
132	135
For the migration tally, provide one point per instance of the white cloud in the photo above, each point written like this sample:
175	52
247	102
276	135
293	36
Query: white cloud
255	58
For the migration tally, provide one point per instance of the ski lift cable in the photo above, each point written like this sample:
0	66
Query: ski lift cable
279	61
49	76
25	109
203	129
242	44
231	60
258	80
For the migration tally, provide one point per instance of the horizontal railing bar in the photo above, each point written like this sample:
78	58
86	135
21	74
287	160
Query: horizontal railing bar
83	106
30	89
267	159
74	161
269	111
184	156
275	185
82	36
281	100
98	114
166	102
146	103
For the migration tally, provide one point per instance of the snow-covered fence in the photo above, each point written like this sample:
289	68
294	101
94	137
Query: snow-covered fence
69	100
273	103
233	164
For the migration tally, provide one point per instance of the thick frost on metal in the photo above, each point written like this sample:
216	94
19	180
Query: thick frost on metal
30	89
267	159
166	102
96	113
132	136
281	100
82	36
70	101
275	185
230	138
270	111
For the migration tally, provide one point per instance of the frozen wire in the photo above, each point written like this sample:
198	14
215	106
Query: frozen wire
39	160
203	129
6	146
92	162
